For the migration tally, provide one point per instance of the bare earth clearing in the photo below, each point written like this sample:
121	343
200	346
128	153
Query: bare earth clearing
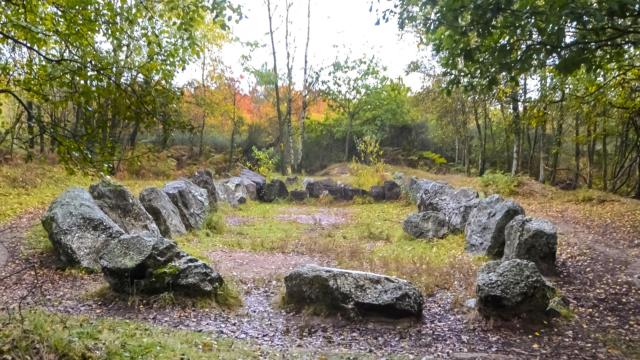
598	273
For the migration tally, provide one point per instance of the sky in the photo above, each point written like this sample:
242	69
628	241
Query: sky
339	28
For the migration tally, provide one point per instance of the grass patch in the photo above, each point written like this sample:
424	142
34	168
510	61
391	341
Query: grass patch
366	176
46	335
36	240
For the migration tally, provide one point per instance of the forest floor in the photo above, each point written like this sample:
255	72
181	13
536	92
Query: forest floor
257	244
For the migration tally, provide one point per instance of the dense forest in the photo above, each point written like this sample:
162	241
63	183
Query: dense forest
548	90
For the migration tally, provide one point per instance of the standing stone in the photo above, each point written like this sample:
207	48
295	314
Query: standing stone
192	202
485	231
242	188
530	239
79	229
298	195
512	288
144	263
351	293
259	180
163	212
204	179
377	193
318	187
348	193
122	207
392	190
426	225
276	189
456	205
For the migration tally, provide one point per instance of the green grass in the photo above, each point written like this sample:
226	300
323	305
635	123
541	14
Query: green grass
36	240
31	186
371	240
46	335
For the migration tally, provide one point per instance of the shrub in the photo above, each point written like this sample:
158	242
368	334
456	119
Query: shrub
215	223
265	162
366	176
498	182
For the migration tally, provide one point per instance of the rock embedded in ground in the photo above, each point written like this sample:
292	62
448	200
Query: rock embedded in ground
122	207
79	229
145	263
351	293
456	205
163	212
291	180
507	289
531	239
426	225
349	193
254	177
485	231
275	189
204	179
317	188
377	193
192	202
298	195
392	190
242	188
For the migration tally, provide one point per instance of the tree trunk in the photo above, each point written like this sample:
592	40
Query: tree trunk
281	135
590	155
234	120
289	114
605	155
576	176
515	108
481	138
347	143
30	131
305	93
542	152
557	142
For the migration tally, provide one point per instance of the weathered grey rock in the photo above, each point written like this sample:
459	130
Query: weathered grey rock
419	188
254	177
298	195
317	187
352	293
192	202
291	180
79	229
275	189
531	239
226	194
242	188
512	288
348	193
485	231
426	225
194	277
377	193
163	212
144	263
204	179
122	207
456	205
392	190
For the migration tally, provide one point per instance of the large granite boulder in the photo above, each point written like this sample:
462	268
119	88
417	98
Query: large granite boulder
122	207
298	195
512	288
531	239
317	188
79	229
392	190
426	225
377	193
422	190
192	202
254	177
348	193
485	231
351	293
243	187
204	179
145	263
275	189
456	205
163	212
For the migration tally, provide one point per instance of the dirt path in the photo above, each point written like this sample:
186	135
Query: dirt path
4	255
606	307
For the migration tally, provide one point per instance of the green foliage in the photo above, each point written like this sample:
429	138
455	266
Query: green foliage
369	151
437	159
214	223
47	335
228	296
500	183
366	176
265	161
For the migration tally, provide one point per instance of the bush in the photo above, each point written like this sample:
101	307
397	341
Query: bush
265	161
215	223
366	176
499	182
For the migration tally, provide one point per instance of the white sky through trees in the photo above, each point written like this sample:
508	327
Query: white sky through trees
339	28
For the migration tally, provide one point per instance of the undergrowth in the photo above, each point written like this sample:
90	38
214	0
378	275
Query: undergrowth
44	335
499	183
